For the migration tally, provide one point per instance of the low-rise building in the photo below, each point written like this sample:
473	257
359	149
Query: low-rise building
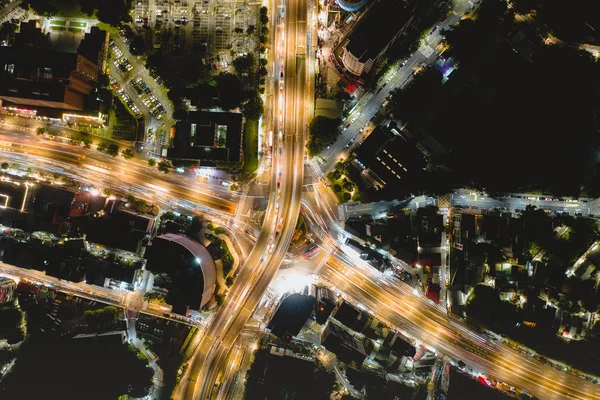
386	159
348	346
209	137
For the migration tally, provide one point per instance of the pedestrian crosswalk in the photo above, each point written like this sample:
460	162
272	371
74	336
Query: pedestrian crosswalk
17	127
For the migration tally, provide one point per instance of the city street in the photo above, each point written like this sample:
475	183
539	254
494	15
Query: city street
395	302
139	71
372	101
224	349
172	190
279	222
91	292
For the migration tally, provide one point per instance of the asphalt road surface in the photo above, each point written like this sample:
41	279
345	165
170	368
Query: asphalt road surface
373	100
396	303
24	148
209	362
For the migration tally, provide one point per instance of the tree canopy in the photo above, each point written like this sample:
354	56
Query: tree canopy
323	132
244	64
12	327
511	120
577	21
231	93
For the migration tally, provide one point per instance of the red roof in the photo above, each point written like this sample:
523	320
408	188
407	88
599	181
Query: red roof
433	292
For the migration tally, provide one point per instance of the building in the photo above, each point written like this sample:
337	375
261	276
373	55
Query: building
383	23
388	159
94	47
208	136
329	108
290	316
37	80
326	302
8	290
188	264
348	346
351	5
120	230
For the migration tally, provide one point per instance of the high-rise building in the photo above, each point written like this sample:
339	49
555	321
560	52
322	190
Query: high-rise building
383	23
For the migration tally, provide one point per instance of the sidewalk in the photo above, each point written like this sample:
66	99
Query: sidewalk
157	379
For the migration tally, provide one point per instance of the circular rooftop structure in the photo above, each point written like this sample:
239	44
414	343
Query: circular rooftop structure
351	5
188	264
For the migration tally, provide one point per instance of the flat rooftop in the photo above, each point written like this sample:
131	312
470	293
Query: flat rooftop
376	28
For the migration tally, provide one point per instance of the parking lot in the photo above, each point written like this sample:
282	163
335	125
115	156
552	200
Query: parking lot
142	92
10	11
212	26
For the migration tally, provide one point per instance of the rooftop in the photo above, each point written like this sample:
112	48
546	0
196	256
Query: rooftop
291	315
377	28
188	264
393	160
208	135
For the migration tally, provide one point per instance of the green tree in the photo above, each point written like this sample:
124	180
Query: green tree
114	12
234	187
323	132
337	188
524	6
244	64
229	281
155	297
4	166
151	162
195	226
102	147
7	31
264	17
230	91
531	249
164	166
112	150
127	153
138	45
40	131
254	107
12	327
220	298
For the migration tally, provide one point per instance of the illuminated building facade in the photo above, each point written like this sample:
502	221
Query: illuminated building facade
36	80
